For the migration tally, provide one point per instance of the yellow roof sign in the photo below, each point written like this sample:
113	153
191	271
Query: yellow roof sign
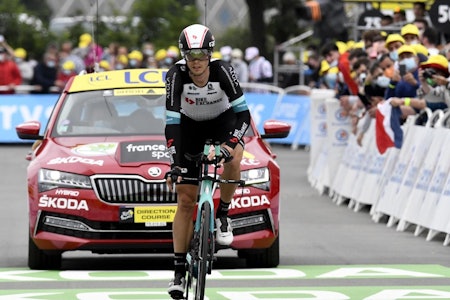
150	79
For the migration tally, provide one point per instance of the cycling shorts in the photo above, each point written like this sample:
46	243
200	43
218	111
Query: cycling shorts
194	135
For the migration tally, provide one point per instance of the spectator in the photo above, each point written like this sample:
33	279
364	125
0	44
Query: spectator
172	56
225	51
148	52
94	52
67	54
45	74
405	81
434	76
110	53
312	71
104	66
399	16
121	62
135	59
386	20
160	57
239	65
292	75
420	11
410	33
66	71
421	24
260	69
393	42
430	39
25	66
9	73
360	69
387	64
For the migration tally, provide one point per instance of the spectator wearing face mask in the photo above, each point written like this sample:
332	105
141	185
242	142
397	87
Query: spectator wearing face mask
24	65
239	65
9	73
393	42
410	33
45	74
66	72
405	81
135	59
225	52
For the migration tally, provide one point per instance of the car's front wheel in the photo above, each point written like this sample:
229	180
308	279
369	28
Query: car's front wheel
42	260
262	258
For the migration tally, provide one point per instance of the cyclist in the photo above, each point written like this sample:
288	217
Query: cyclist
204	101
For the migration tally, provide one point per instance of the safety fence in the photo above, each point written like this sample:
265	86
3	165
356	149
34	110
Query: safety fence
406	187
265	102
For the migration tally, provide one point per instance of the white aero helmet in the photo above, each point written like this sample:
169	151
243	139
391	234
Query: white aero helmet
196	36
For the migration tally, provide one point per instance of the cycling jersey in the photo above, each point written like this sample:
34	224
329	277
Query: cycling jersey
188	104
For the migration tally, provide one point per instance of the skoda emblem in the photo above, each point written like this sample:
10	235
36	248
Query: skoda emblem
154	171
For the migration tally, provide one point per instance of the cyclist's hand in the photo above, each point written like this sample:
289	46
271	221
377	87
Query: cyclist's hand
225	154
173	176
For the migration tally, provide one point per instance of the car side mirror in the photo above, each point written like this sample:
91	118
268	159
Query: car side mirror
275	129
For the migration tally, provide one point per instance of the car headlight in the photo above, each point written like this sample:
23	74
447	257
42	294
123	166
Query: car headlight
52	179
258	178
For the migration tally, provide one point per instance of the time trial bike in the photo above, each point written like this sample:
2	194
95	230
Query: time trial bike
200	256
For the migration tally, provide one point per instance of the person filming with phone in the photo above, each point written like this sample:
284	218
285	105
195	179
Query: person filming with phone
434	91
405	81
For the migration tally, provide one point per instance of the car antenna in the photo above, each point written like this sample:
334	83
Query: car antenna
205	12
94	28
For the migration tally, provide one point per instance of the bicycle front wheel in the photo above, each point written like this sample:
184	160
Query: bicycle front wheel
204	249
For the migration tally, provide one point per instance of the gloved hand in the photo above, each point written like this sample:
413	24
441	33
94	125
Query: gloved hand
173	176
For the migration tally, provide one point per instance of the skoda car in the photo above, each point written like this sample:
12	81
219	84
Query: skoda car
96	175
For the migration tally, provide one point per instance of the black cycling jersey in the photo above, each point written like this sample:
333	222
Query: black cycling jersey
191	110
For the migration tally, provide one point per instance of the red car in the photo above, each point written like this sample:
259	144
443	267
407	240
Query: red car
96	175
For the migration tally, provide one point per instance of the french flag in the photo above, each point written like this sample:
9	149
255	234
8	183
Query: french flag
388	132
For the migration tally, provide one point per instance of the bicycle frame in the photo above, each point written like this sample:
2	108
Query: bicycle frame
195	259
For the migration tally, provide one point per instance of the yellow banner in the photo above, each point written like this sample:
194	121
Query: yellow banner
154	214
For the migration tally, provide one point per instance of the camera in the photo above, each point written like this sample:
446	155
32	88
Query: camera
428	73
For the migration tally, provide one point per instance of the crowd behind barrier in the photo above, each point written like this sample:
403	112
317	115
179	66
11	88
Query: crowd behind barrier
407	186
291	105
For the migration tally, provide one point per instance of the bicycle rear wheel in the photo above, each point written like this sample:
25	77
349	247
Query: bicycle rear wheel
203	251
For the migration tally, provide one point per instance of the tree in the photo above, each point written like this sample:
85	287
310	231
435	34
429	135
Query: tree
162	20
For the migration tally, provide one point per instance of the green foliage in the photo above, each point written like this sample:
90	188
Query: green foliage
163	20
22	28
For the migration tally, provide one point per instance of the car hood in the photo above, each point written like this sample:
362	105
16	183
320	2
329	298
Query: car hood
105	154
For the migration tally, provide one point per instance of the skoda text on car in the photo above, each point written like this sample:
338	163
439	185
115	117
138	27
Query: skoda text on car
96	175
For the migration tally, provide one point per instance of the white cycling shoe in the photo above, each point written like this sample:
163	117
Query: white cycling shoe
224	232
177	287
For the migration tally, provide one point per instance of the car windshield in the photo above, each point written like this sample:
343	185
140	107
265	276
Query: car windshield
110	112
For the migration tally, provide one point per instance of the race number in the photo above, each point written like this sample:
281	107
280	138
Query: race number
370	19
440	15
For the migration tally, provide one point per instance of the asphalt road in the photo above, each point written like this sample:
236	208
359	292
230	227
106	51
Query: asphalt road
325	248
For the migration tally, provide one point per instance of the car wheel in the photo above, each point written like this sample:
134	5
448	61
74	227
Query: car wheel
263	258
41	260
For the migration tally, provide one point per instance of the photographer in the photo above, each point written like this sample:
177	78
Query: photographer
434	78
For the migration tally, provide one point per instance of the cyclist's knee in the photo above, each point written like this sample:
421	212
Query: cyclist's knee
187	197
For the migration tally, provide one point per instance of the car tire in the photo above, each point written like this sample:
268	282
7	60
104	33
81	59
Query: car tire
42	260
263	258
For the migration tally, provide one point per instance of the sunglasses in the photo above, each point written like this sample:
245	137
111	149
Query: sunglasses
197	54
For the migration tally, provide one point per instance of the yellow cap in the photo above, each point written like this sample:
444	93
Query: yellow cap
68	65
437	61
122	59
350	44
160	54
173	51
358	45
83	44
20	53
135	54
409	29
104	64
419	48
406	49
216	54
342	47
324	67
394	37
85	38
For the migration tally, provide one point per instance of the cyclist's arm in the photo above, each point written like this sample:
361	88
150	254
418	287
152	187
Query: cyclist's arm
232	88
173	115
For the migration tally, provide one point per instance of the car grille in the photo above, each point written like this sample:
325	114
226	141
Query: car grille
132	189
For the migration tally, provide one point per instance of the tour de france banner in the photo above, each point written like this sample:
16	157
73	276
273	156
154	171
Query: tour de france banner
293	109
16	109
